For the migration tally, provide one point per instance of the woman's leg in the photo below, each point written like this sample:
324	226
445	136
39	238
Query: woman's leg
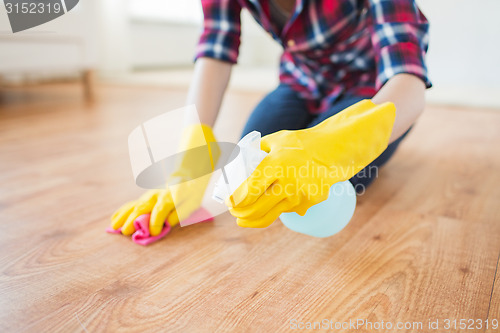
367	175
281	109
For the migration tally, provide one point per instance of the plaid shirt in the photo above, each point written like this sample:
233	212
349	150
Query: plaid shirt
332	48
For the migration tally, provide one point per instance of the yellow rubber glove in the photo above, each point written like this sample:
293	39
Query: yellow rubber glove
302	165
157	202
178	201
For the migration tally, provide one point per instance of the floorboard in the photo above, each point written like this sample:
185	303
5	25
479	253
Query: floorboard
423	245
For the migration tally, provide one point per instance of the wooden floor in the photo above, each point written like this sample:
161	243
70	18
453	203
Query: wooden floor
423	245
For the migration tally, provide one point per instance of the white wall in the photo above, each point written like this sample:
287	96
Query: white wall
464	53
156	43
463	58
160	44
98	28
65	43
113	37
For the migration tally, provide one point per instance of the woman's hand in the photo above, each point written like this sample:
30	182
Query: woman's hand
188	183
302	165
157	202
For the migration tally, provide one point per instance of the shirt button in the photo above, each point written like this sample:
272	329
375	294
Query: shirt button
291	43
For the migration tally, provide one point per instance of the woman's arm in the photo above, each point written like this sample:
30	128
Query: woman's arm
207	89
407	92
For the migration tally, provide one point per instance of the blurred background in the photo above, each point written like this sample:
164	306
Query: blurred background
151	43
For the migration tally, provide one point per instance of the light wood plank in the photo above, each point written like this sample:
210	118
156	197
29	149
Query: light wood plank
494	305
424	242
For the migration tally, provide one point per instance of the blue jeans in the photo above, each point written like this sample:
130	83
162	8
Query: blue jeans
282	109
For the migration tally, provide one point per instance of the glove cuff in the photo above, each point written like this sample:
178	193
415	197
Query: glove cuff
354	137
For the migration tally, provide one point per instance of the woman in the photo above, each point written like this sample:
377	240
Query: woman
336	53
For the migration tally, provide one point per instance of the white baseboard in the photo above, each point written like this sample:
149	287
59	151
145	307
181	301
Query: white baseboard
465	96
